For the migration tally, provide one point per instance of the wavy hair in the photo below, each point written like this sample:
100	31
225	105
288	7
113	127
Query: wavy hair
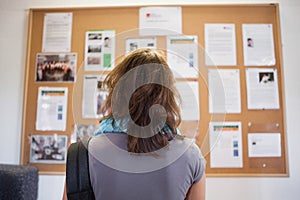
143	98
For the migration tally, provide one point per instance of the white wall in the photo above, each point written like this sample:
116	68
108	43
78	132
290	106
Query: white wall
13	41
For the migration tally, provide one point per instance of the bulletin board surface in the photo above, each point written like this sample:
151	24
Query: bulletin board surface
125	22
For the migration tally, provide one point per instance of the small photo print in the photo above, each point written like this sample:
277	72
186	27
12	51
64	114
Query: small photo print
60	108
266	77
250	42
133	46
56	67
102	94
94	48
95	36
101	98
235	153
235	143
59	116
93	60
107	42
150	45
48	149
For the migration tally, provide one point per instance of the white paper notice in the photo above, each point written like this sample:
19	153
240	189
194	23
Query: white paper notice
264	145
258	45
52	109
189	92
137	43
226	145
160	21
94	95
262	88
57	32
220	44
99	50
182	56
224	90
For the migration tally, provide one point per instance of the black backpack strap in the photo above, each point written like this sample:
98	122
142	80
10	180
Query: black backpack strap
78	182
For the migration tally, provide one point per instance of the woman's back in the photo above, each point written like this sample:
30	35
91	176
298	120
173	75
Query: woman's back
164	174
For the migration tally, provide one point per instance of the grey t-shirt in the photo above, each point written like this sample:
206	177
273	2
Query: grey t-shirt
166	174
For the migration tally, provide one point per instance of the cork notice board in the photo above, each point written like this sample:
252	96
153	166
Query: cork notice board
194	17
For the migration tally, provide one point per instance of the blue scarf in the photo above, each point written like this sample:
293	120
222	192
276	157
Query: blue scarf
106	126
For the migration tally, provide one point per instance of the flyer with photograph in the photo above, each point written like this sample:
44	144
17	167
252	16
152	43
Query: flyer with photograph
56	67
48	149
264	145
94	95
225	140
137	43
99	50
182	55
52	109
258	43
262	88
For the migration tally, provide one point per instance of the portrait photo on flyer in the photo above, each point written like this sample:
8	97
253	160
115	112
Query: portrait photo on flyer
48	149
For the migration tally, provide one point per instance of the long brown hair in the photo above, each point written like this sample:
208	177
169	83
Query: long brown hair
143	98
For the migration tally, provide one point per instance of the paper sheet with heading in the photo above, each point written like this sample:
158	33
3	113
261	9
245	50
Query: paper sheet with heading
258	43
52	109
220	44
225	140
224	91
137	43
262	88
57	32
160	21
182	55
264	145
189	92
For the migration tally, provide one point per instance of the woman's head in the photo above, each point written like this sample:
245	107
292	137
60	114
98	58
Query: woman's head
136	85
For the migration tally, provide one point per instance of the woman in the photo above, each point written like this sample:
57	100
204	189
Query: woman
138	152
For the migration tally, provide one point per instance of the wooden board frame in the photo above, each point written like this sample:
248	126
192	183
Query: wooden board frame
122	19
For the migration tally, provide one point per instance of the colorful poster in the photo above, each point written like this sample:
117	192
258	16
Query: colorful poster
48	149
182	56
99	50
56	67
52	109
225	140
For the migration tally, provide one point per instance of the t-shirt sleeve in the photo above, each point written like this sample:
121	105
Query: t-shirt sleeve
199	164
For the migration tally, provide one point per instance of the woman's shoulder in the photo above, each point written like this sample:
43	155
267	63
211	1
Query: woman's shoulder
189	147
